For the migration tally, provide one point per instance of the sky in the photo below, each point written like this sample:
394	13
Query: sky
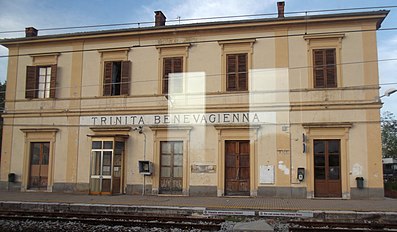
19	14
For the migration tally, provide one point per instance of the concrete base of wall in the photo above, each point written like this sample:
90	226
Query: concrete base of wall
203	191
136	189
10	186
282	192
367	193
71	187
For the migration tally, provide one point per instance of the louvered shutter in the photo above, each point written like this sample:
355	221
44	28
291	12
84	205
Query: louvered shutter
319	68
31	82
242	72
53	80
331	67
167	69
231	76
324	69
125	77
177	82
107	79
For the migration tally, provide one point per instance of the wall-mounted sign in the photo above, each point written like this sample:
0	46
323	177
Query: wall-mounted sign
181	119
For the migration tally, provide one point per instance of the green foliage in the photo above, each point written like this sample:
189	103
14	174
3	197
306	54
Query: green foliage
389	135
391	186
2	99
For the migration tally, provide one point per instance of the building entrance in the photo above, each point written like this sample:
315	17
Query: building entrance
171	167
106	167
327	173
237	168
38	173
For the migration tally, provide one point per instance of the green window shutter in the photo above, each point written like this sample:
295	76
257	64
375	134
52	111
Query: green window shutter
31	82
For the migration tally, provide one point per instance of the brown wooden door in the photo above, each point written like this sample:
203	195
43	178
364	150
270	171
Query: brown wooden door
38	174
171	168
237	168
327	174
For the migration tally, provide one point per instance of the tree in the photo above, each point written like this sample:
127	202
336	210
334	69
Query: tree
389	135
2	104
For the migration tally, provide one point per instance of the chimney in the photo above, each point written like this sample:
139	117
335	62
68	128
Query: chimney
31	32
159	18
280	8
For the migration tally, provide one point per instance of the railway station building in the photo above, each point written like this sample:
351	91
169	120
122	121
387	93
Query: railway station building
276	107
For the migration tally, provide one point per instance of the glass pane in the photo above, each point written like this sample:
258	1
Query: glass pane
107	162
108	145
319	160
334	173
178	160
319	147
165	160
96	163
178	172
165	172
41	79
42	71
319	173
46	153
41	87
48	79
119	148
49	71
47	93
94	185
333	146
35	154
333	160
178	148
96	144
165	147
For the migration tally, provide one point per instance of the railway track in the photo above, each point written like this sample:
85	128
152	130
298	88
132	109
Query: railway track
340	226
126	220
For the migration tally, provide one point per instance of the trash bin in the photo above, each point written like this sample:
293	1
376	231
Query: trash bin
360	182
11	177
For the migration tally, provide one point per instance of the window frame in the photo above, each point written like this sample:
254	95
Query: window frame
237	73
229	47
170	51
124	77
166	76
325	67
324	41
33	83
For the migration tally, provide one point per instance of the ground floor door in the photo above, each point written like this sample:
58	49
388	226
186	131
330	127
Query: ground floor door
327	171
171	167
237	168
38	170
106	167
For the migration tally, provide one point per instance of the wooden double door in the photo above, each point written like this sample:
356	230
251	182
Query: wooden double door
171	167
327	168
237	168
38	170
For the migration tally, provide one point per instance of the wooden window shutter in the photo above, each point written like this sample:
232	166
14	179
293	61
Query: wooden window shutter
53	80
324	68
107	78
231	77
330	58
242	72
31	82
125	77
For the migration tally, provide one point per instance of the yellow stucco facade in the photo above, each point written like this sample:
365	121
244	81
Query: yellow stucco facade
189	134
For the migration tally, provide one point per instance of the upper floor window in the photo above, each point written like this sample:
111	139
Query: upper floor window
237	72
116	79
41	81
324	68
172	82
